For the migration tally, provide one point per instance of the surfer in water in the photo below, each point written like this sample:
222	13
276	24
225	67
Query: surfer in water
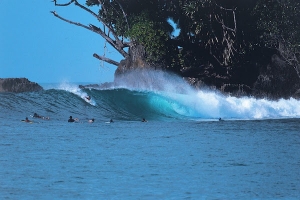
144	120
35	115
26	120
88	98
91	120
72	120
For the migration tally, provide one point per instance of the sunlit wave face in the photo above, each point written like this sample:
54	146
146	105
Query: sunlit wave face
187	101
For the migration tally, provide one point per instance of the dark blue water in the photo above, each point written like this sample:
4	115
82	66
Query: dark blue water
182	152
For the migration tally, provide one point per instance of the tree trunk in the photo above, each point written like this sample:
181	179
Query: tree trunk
135	60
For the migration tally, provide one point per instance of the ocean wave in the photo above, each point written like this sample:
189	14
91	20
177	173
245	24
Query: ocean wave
160	97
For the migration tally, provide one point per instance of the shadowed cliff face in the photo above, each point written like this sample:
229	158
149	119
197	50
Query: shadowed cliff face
18	85
268	77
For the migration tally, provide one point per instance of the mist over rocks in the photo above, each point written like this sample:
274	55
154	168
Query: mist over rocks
275	81
17	85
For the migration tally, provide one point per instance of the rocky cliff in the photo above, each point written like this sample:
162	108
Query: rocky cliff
273	79
18	85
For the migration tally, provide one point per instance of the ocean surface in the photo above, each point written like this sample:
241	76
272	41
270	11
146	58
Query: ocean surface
183	151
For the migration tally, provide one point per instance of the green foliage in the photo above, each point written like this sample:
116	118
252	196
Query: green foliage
278	21
130	20
212	32
149	34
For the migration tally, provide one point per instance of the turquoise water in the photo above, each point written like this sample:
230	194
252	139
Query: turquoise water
182	152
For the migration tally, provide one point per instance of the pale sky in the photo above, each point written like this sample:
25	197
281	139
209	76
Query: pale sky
36	45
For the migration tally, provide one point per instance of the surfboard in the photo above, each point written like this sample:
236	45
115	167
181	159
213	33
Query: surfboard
30	122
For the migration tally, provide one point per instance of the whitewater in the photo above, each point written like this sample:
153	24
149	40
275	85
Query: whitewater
182	152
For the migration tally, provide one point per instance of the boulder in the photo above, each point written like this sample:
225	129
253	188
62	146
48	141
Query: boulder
17	85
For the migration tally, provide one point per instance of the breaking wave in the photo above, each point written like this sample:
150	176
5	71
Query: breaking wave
153	95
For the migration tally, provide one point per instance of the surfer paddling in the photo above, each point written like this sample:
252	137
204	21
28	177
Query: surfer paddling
26	120
144	120
110	121
35	115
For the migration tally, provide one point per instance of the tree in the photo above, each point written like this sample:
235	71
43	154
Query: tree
278	22
220	41
122	30
107	32
204	23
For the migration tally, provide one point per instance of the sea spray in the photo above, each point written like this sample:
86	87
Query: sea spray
73	88
152	80
205	104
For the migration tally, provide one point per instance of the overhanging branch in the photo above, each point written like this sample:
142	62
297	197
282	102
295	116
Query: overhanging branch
106	59
64	4
96	30
117	40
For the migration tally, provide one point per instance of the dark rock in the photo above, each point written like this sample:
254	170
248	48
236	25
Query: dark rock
105	85
17	85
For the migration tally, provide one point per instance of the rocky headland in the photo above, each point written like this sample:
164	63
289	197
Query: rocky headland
17	85
271	78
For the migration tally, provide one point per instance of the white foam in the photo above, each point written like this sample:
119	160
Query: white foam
73	88
207	104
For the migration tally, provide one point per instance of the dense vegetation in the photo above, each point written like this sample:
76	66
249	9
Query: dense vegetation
220	41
